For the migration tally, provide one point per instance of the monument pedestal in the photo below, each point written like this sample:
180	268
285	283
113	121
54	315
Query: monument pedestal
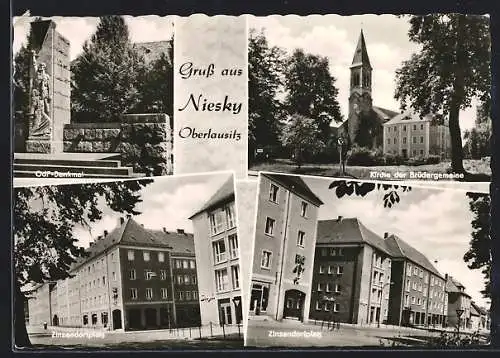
40	146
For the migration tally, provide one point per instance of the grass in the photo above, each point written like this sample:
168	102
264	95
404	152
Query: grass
479	170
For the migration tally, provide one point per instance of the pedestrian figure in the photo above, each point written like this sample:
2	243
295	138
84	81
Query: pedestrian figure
45	325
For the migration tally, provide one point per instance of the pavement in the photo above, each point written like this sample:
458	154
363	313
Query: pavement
270	333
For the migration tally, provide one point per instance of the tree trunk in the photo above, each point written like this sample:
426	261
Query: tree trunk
457	154
21	339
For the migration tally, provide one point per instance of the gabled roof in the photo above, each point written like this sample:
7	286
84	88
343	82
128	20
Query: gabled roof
408	117
383	113
224	194
454	286
348	231
133	234
361	54
296	185
401	249
151	51
479	310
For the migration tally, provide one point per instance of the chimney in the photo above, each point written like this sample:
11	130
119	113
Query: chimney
165	230
99	237
386	235
92	243
339	219
122	220
446	276
142	225
180	231
105	233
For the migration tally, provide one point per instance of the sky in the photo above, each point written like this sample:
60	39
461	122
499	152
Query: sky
436	222
79	29
168	203
336	37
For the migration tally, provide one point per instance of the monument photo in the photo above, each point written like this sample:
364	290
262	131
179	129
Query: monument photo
93	97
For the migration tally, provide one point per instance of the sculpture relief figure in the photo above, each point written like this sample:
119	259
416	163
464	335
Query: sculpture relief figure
40	121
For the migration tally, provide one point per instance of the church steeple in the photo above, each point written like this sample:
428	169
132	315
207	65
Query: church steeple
361	69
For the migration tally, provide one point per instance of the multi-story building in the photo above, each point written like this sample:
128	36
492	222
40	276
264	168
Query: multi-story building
38	302
285	240
217	258
459	304
409	135
125	282
352	273
417	295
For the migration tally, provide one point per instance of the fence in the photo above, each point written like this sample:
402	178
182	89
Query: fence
208	331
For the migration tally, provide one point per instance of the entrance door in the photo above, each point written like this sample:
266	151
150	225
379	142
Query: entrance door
150	314
134	318
405	153
294	304
225	313
117	319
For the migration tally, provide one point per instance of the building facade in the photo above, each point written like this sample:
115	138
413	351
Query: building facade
125	282
352	273
217	258
417	295
285	240
459	304
409	136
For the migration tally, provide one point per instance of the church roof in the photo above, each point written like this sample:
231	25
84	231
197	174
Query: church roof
361	54
383	113
408	117
348	231
401	249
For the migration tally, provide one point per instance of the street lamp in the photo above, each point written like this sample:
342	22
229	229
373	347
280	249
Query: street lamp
459	315
380	302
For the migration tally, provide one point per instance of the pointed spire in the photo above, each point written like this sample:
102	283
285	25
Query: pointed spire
361	54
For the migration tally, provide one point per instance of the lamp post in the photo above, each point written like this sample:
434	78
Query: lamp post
380	302
459	315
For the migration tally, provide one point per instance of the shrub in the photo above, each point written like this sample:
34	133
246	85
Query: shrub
433	159
365	156
393	159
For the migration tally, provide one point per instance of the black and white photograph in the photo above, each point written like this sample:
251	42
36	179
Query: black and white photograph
340	263
379	97
92	97
137	264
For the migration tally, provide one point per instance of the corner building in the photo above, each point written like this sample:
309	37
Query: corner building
217	258
285	239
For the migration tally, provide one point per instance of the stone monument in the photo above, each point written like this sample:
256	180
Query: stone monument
49	90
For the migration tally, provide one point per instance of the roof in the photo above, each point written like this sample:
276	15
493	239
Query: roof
151	51
478	310
296	185
224	194
348	231
401	249
454	286
361	54
134	234
408	117
383	113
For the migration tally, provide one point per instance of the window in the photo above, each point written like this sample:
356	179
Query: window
324	252
186	279
421	152
412	300
320	287
131	274
407	300
161	257
103	281
421	126
318	305
333	252
404	128
192	264
321	269
148	274
235	276
181	296
340	270
231	222
219	250
303	209
414	140
233	246
149	293
419	301
407	286
193	280
388	140
221	280
145	255
179	279
330	270
395	128
164	293
113	256
114	276
340	252
188	295
185	264
300	238
217	221
404	140
133	293
327	287
269	226
163	275
336	307
195	295
273	193
338	288
408	270
415	270
421	139
178	264
265	261
130	256
395	140
388	129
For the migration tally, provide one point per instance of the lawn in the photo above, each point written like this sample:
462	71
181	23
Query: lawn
479	170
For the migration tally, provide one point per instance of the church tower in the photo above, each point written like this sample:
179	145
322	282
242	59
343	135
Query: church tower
360	94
